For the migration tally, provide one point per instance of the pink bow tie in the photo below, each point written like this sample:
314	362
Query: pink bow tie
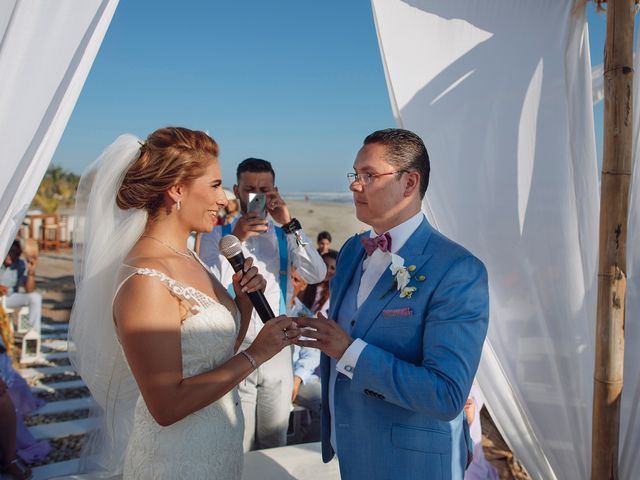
383	242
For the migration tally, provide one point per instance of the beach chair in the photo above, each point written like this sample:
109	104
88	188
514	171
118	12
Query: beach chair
30	351
19	318
298	419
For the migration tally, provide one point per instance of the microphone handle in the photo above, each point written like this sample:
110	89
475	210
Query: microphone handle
257	298
262	306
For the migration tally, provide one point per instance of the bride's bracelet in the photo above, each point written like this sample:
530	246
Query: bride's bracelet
252	360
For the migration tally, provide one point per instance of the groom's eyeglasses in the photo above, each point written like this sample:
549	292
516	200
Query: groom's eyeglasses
364	179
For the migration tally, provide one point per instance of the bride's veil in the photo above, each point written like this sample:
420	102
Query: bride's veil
103	235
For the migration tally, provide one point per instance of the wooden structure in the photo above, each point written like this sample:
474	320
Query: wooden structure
50	230
614	205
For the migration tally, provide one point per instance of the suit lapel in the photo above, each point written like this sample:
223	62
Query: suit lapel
351	262
414	253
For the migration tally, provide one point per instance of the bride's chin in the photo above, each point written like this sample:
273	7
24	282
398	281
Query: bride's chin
204	229
209	226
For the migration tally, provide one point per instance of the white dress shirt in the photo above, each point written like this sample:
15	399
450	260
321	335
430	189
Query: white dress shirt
265	252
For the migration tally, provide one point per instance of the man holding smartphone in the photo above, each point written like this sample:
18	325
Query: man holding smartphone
266	393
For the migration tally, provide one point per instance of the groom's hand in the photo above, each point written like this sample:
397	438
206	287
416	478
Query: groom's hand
327	335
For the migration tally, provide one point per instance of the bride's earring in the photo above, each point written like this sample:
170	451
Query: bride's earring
178	206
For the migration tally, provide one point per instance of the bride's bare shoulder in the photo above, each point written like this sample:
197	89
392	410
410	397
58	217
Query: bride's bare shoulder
142	287
146	261
146	292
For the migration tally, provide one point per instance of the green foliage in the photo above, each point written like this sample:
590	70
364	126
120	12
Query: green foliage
57	189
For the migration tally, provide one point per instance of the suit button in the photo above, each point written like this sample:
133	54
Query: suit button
353	322
367	391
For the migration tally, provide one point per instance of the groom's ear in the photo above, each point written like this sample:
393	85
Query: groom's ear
412	183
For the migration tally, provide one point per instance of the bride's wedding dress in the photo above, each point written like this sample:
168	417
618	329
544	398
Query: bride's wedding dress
208	443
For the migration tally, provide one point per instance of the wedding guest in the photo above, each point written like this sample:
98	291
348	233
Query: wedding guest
299	286
24	403
306	361
232	210
266	393
316	296
7	335
480	468
307	391
324	242
157	337
17	275
11	464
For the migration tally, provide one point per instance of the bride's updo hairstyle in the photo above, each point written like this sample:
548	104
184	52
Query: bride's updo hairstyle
168	157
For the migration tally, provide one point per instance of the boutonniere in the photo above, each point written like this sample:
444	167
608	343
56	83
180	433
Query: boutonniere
402	277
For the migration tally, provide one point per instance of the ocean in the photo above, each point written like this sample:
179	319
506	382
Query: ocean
327	197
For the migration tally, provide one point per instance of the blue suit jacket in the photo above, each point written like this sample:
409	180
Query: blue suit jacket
400	416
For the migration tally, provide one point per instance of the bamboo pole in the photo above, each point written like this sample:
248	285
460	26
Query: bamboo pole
614	205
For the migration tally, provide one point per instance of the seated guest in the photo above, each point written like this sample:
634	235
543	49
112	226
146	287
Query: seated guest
16	435
16	274
299	286
480	468
316	296
10	463
6	335
307	391
306	361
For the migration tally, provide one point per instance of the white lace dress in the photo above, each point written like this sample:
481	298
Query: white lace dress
208	443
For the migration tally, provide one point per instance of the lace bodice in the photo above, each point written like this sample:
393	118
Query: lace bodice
207	443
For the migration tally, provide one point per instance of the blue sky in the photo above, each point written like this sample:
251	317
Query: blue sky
295	82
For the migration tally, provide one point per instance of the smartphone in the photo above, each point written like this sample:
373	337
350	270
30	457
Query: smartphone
258	204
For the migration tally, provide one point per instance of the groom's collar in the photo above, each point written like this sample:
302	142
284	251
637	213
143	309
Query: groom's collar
401	233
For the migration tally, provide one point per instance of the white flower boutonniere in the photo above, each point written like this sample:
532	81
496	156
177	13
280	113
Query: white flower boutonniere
400	272
401	277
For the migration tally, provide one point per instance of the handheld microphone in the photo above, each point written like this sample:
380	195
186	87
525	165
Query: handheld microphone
231	249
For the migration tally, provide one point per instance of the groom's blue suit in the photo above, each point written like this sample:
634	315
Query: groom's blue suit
401	415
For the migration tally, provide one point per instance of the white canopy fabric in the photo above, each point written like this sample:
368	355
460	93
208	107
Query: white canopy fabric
500	91
46	52
630	408
597	83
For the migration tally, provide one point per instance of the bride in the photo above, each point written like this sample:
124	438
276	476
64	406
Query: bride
152	333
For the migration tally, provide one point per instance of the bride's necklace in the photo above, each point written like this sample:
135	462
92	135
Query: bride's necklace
175	250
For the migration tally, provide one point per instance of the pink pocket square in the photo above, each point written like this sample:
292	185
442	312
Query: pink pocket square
397	312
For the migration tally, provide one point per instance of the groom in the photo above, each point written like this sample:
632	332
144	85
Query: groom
409	312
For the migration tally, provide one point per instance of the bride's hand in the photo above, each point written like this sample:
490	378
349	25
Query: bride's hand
246	281
276	334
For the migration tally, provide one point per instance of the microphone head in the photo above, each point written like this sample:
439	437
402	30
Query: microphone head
230	246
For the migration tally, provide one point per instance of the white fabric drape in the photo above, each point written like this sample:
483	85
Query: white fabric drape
630	410
500	91
46	51
597	83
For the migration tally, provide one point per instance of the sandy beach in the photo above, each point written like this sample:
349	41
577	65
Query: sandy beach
339	219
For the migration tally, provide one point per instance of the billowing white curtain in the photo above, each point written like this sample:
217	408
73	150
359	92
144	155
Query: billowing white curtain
46	51
630	410
500	90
